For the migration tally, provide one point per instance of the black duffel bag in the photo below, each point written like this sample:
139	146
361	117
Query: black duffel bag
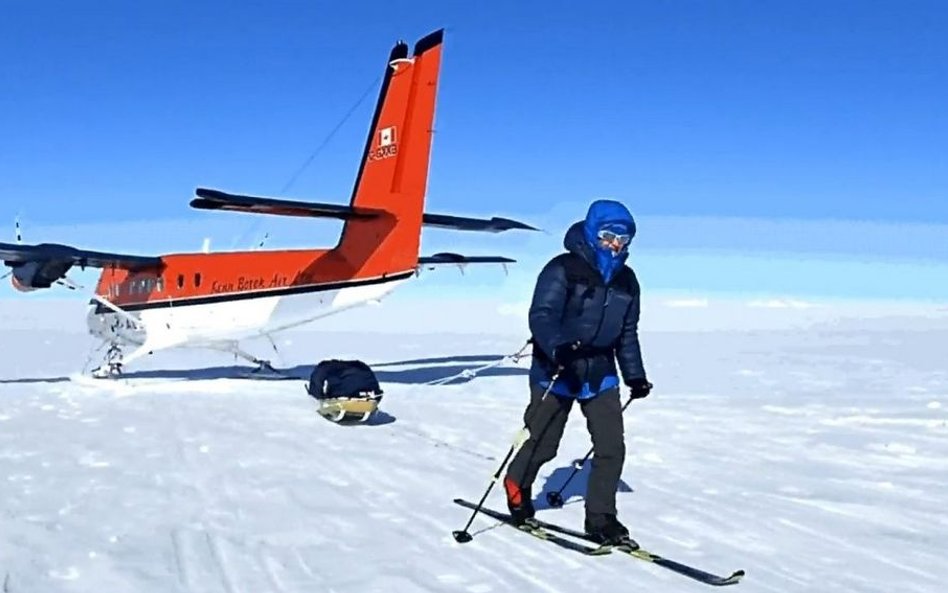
342	378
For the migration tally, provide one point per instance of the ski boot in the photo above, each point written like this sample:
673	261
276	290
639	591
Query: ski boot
520	505
606	530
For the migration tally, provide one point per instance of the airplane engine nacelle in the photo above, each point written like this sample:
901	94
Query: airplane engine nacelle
33	275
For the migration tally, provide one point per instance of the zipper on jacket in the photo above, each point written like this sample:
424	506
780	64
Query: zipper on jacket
602	316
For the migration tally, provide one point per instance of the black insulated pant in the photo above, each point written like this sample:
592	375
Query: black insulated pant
546	420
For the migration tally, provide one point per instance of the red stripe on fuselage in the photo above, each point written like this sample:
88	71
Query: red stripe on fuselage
199	276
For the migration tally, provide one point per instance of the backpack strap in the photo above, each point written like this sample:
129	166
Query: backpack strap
626	280
578	272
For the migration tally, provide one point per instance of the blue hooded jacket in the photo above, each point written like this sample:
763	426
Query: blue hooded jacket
603	314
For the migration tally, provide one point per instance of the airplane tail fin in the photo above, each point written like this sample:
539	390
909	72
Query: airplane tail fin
382	224
393	174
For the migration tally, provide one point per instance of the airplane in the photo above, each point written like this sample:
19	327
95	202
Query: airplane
216	300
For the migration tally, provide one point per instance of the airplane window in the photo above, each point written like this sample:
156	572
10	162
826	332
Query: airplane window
197	279
160	283
180	280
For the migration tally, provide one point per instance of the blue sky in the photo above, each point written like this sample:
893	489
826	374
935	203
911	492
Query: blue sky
777	147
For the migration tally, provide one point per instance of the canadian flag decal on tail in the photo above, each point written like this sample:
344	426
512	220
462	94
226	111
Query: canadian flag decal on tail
388	146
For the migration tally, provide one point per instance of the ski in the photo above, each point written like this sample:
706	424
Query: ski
682	569
540	533
685	570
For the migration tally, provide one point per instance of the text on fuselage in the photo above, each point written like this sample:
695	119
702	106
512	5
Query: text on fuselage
249	283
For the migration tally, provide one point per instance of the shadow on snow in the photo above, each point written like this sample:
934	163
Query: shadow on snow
575	488
417	375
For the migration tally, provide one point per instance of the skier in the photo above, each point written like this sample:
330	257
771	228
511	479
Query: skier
583	319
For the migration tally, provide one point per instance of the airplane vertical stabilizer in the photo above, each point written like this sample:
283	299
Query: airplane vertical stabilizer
393	174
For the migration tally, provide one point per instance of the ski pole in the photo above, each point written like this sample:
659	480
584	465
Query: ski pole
463	536
555	499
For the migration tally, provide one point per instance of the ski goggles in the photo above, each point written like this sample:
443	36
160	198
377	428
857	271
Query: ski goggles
608	236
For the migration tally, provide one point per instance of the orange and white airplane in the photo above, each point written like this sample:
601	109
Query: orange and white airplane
216	300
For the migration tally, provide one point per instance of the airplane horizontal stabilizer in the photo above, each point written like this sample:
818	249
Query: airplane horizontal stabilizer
457	258
212	199
461	223
18	254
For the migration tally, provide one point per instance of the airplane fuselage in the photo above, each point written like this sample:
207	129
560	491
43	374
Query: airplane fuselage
203	299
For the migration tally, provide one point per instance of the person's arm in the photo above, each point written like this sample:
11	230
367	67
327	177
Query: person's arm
546	309
629	352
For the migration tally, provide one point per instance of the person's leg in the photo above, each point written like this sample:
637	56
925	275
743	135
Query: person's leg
545	418
605	423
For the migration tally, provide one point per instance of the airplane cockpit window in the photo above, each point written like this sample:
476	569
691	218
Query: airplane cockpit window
160	284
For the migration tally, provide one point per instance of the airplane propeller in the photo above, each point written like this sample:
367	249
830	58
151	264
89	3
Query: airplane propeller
19	241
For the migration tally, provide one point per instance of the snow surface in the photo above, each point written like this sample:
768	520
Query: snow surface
816	460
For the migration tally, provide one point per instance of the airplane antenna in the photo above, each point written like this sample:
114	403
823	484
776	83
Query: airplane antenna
309	160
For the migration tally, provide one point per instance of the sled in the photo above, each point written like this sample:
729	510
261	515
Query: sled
349	410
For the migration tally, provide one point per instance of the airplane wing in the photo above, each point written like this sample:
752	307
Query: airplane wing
212	199
41	266
16	254
457	258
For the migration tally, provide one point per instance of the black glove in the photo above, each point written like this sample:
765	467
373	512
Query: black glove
565	354
639	387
